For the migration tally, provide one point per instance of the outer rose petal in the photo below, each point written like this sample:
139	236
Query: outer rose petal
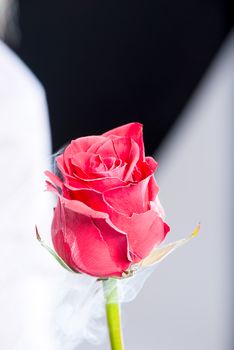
89	244
144	231
61	165
82	144
127	200
54	178
91	198
132	130
133	198
152	189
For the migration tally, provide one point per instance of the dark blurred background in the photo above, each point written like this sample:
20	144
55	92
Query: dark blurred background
104	63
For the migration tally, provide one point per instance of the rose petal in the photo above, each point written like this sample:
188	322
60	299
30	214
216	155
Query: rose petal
81	208
61	246
128	151
132	130
72	182
91	198
51	187
100	184
115	173
133	198
111	162
85	164
54	178
89	245
145	231
122	148
105	149
144	169
152	189
152	164
82	144
88	166
61	164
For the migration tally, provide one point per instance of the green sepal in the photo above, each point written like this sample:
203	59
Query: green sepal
53	253
161	253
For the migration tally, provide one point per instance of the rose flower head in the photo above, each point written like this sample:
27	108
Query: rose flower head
108	216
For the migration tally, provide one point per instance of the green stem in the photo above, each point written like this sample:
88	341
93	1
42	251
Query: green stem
113	313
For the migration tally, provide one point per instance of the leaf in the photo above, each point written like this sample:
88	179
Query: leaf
161	253
52	252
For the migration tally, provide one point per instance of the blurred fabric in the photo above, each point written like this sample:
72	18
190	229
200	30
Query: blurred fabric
24	152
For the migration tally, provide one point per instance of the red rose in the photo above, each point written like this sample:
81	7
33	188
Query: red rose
108	216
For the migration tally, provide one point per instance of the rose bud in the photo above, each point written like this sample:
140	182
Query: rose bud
108	216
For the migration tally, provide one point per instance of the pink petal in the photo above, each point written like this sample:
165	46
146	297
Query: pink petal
128	151
83	164
131	130
91	198
144	169
89	245
51	187
81	160
105	149
130	199
97	166
82	144
62	248
144	231
72	182
122	148
78	172
81	208
152	189
151	163
61	164
114	173
110	162
99	184
54	178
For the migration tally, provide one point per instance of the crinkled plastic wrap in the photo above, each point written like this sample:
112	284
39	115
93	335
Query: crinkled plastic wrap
79	310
